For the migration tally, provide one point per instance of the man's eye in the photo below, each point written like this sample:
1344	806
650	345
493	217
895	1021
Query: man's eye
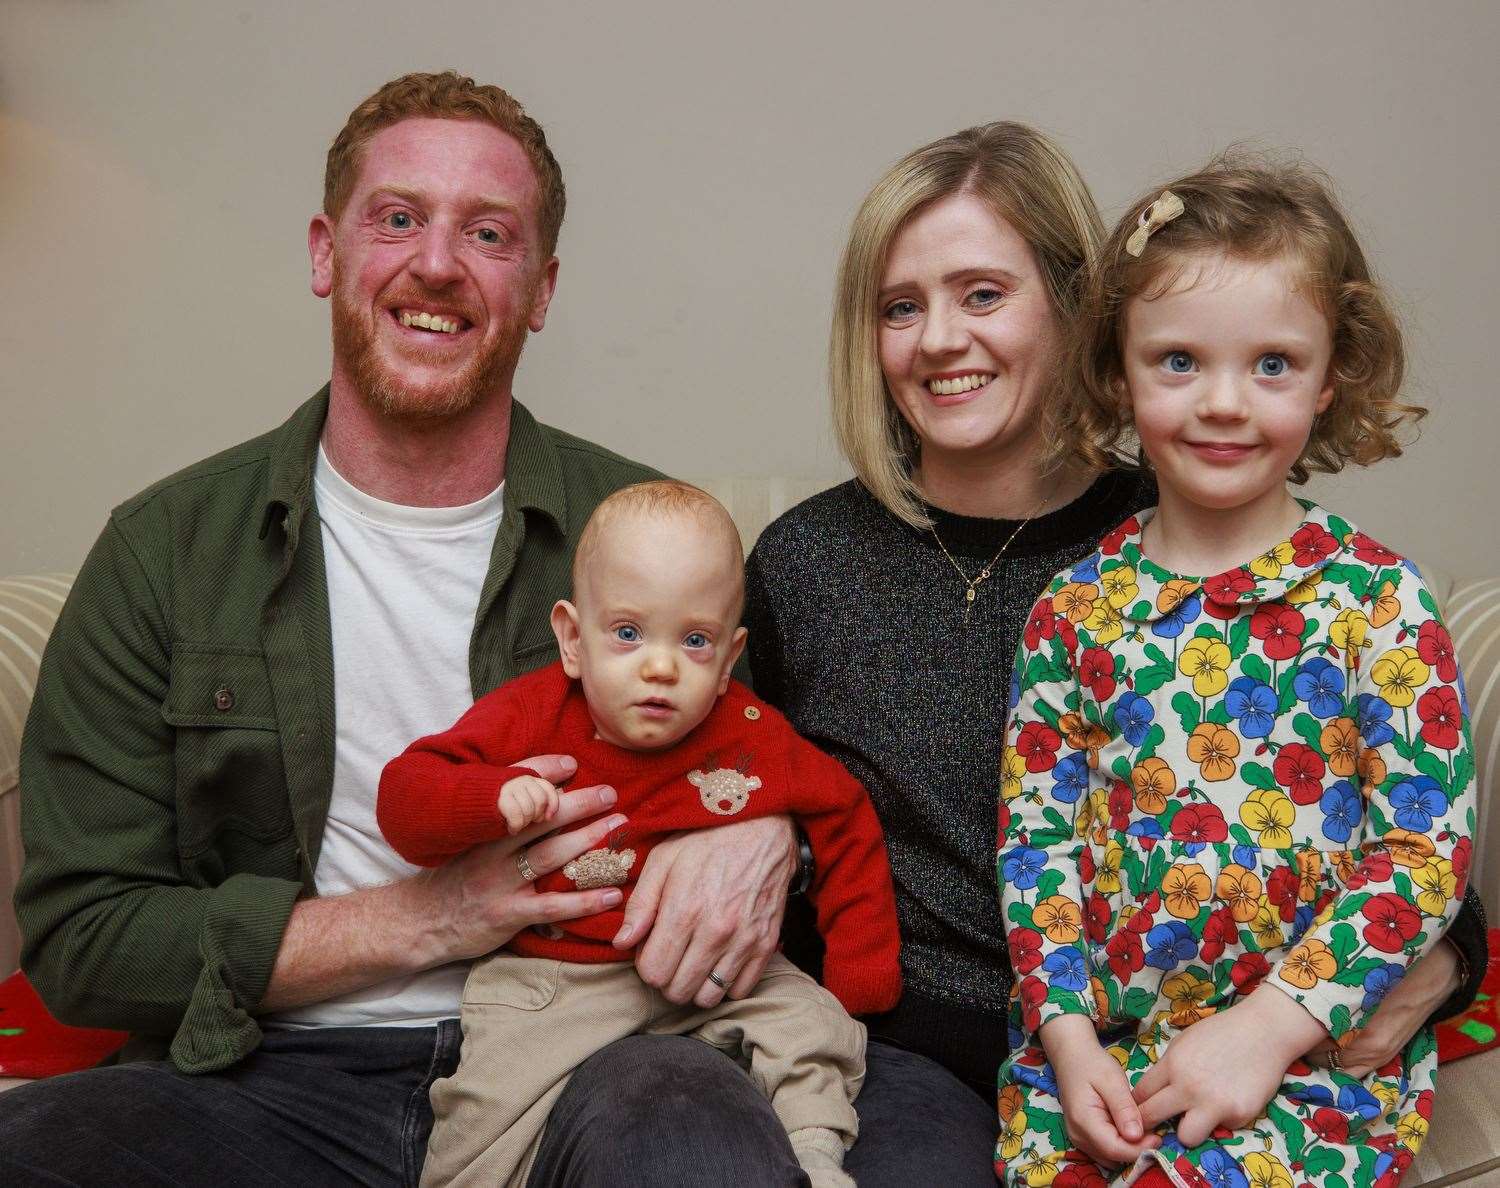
900	311
625	633
696	639
1272	365
399	220
1179	361
487	235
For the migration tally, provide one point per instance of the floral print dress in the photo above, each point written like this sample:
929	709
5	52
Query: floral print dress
1208	783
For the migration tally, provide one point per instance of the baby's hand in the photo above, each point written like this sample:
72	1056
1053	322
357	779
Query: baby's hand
1102	1118
1259	1038
526	800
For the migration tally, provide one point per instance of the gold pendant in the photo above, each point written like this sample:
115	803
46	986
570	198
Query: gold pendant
969	594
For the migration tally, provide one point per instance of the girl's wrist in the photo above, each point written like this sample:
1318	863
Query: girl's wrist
1287	1023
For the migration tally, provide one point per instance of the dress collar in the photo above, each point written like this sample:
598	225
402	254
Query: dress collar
1298	561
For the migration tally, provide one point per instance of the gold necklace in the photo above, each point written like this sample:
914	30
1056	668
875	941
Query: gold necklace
971	584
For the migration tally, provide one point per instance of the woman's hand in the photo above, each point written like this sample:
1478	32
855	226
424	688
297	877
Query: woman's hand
1102	1118
710	902
1258	1039
1407	1005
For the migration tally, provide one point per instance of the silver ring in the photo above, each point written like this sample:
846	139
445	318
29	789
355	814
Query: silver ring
525	867
717	980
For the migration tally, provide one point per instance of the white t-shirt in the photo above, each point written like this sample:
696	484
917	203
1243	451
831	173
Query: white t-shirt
403	590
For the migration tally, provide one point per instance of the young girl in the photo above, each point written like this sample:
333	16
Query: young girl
1259	780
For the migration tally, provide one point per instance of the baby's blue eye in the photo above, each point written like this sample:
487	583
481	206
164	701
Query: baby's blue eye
625	633
1179	361
696	639
1272	365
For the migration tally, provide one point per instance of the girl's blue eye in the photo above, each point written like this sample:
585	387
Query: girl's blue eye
1179	361
625	633
1272	365
696	639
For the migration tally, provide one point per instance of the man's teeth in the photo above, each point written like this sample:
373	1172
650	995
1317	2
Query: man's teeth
964	383
426	321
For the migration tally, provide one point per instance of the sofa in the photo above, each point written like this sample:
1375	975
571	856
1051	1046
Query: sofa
1464	1145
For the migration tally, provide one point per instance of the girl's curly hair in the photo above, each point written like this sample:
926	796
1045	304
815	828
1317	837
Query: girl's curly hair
1247	206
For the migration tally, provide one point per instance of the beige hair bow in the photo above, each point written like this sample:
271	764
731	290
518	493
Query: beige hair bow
1153	218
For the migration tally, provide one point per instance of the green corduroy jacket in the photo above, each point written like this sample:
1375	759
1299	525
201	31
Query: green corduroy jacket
178	760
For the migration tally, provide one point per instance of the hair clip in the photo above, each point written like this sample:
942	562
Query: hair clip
1154	218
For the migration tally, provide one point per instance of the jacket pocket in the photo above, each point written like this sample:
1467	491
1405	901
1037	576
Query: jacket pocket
230	777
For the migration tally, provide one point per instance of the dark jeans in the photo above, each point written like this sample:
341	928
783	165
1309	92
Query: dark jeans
349	1106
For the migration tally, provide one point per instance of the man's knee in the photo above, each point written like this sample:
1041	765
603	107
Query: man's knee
659	1110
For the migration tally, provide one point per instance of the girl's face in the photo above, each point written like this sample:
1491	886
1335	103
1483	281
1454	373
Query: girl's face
966	335
1226	372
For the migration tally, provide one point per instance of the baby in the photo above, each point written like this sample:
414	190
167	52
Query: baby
643	699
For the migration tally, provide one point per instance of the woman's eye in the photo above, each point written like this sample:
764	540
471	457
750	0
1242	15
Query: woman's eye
984	297
398	220
625	633
1180	362
696	639
901	311
1272	365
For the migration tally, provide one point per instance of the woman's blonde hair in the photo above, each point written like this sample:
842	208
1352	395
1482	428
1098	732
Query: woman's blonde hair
1247	206
1029	182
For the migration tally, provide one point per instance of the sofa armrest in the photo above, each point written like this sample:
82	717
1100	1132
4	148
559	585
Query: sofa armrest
29	606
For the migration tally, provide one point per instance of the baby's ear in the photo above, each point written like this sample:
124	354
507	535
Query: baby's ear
565	627
732	655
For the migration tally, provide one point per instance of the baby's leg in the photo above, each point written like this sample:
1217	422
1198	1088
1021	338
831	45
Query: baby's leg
802	1050
528	1022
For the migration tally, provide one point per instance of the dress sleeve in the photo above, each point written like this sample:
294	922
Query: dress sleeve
1416	769
441	795
1043	782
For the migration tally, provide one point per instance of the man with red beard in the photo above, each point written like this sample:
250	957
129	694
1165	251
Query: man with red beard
252	639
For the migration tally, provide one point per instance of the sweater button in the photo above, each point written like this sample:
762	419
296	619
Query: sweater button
752	712
224	699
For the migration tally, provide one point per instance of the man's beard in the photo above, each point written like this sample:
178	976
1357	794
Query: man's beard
390	395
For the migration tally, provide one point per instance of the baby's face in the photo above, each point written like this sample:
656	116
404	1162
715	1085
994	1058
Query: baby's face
657	629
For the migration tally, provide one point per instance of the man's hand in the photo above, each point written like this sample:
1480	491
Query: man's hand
1102	1118
527	800
1258	1038
710	901
336	944
1407	1005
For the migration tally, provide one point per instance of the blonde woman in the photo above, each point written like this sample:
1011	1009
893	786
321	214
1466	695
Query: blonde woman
884	614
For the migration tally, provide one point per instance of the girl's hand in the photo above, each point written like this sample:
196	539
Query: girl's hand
1102	1118
1258	1039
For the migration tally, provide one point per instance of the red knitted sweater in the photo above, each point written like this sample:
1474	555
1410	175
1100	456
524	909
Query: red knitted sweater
441	795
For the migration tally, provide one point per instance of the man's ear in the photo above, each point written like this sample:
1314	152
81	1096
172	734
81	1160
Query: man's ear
565	627
736	646
320	250
546	285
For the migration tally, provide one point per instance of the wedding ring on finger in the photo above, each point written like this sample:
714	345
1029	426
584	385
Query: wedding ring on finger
717	980
1335	1061
524	867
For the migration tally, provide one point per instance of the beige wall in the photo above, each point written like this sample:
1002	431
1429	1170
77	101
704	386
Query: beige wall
159	161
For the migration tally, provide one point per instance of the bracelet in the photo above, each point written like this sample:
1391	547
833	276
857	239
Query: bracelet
805	868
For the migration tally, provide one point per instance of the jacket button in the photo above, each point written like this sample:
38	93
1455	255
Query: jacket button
224	699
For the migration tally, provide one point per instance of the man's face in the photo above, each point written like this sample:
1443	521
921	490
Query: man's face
435	267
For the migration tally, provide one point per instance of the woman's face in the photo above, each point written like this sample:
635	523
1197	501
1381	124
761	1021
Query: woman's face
967	336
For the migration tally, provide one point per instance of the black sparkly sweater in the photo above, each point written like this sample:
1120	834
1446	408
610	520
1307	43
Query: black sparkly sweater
858	634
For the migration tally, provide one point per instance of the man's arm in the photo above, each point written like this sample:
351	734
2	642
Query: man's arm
470	906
